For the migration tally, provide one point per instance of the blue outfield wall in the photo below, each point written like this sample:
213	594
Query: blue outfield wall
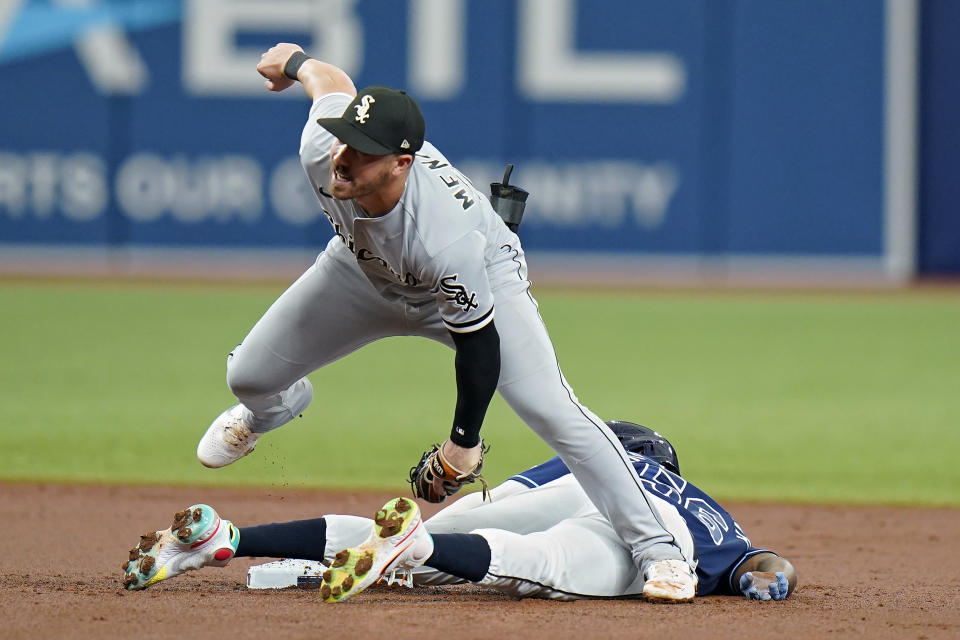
938	235
694	128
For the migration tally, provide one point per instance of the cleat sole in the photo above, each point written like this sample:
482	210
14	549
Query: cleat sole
191	528
352	570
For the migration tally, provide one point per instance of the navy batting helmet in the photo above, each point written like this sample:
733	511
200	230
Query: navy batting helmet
647	442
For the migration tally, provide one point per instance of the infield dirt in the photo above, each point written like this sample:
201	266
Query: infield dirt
869	572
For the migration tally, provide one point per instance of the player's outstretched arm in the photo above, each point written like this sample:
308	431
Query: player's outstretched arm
318	78
766	576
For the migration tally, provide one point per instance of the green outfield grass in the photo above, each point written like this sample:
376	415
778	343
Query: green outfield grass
800	397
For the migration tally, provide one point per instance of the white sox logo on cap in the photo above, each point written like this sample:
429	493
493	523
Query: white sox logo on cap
379	121
363	109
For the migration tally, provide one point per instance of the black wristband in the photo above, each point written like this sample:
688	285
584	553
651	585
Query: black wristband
294	62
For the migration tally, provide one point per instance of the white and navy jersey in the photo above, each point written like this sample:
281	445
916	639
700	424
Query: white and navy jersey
440	242
719	542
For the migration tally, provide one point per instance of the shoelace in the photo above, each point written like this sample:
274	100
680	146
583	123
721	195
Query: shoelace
670	568
237	433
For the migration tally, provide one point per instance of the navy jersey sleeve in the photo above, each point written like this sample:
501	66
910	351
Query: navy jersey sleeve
720	543
542	473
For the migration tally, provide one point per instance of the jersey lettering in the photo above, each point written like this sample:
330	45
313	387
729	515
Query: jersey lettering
659	481
710	518
462	195
451	181
347	239
457	293
431	163
365	255
368	256
738	532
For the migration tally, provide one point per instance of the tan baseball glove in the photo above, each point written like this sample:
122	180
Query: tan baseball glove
433	479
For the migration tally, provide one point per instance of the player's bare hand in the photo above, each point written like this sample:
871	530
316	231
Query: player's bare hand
461	457
272	62
762	585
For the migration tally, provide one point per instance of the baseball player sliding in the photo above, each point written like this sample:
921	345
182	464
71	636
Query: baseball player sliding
418	251
539	537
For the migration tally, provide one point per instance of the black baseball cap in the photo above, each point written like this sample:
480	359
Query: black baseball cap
378	122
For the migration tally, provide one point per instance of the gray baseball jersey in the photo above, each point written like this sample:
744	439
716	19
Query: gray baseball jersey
441	261
437	243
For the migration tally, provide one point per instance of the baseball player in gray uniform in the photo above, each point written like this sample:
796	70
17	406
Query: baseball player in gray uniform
539	537
418	251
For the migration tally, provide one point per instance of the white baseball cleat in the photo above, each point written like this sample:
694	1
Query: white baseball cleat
398	541
197	538
227	440
670	581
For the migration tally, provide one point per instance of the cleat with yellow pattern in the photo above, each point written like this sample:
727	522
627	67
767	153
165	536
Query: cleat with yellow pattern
197	538
398	541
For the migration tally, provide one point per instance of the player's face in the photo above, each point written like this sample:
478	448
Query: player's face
354	174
